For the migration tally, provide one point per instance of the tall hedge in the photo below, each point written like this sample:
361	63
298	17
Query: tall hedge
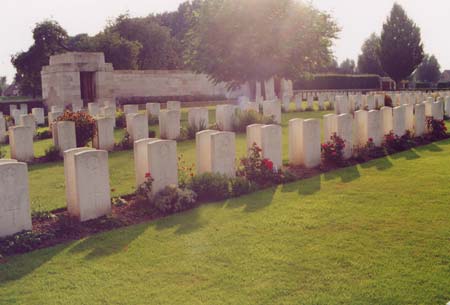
338	82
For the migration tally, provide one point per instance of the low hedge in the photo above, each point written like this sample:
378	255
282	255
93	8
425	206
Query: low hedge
164	99
338	82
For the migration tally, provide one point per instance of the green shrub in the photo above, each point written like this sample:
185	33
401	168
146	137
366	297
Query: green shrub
241	186
151	133
121	120
125	143
333	151
189	132
173	200
84	126
393	143
243	119
2	153
338	81
23	242
43	134
153	120
437	128
52	154
210	186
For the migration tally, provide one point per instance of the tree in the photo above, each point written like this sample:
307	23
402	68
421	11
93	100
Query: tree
235	41
429	71
401	47
49	39
3	84
369	59
348	66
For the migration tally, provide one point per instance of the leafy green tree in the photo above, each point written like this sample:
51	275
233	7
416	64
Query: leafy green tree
369	59
49	39
401	46
429	71
236	41
348	66
3	84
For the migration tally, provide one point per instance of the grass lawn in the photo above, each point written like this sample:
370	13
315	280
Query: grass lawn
377	233
47	188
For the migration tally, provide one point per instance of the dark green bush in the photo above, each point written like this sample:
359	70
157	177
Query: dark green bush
22	242
52	154
2	153
153	120
210	186
243	119
43	134
84	126
338	81
173	200
241	186
121	120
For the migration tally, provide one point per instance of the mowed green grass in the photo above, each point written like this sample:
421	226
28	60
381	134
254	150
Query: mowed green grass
377	233
47	189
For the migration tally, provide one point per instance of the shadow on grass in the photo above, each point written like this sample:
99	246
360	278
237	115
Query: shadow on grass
430	147
310	186
108	243
253	202
346	175
380	164
408	155
185	223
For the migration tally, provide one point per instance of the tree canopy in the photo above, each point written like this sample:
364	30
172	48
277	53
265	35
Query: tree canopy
348	66
369	59
235	41
429	71
401	49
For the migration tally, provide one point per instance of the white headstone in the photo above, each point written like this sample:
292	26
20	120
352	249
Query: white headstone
53	116
138	128
386	120
272	109
39	115
399	114
271	144
225	115
16	116
203	151
153	109
64	135
21	143
169	124
374	127
56	109
104	134
304	142
419	120
361	134
141	167
129	109
329	126
198	118
223	153
24	108
3	133
87	183
344	123
28	120
298	102
162	162
253	136
174	105
94	109
409	117
15	213
437	110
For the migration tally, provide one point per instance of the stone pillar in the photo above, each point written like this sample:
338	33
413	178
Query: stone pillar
419	120
28	120
138	126
272	109
304	142
162	161
174	105
225	117
39	115
94	109
253	136
399	114
345	132
87	183
21	143
141	166
153	109
129	109
203	151
169	124
64	135
15	215
223	153
198	118
104	134
271	144
386	120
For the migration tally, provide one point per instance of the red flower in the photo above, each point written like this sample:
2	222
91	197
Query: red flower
268	164
148	175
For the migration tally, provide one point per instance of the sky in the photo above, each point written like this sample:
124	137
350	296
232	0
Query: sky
356	18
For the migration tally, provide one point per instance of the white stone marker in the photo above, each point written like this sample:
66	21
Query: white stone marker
428	108
104	134
39	115
399	114
374	127
129	109
3	132
345	132
386	120
223	153
198	118
409	117
56	109
298	102
253	134
162	162
271	144
109	112
329	126
15	215
24	108
286	103
341	105
153	109
87	183
28	120
169	124
225	115
16	116
310	101
11	108
138	126
272	109
53	116
437	110
141	166
21	143
94	109
77	106
203	151
304	142
173	105
419	120
447	105
64	135
361	128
